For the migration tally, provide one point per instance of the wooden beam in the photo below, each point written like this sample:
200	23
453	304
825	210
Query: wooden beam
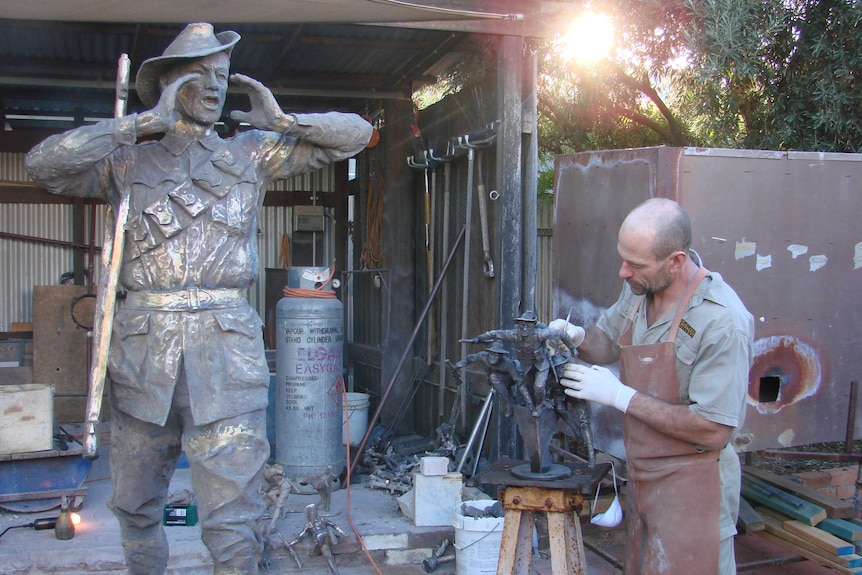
835	507
782	501
749	520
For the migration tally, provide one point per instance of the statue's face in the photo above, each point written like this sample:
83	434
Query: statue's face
201	99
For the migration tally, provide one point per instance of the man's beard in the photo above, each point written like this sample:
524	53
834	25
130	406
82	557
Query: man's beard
651	288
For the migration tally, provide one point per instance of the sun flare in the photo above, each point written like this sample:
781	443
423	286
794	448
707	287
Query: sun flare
589	39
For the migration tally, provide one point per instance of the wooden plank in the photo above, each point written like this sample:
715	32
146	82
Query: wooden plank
846	530
828	544
810	555
781	501
835	508
820	538
749	521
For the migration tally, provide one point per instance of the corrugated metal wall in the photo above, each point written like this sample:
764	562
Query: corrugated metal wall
24	264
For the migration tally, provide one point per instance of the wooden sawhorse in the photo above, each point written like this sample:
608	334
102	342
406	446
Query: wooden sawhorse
560	499
564	530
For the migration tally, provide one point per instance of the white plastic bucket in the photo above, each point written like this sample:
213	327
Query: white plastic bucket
356	419
477	540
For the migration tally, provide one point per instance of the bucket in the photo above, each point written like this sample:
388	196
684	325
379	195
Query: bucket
357	417
477	540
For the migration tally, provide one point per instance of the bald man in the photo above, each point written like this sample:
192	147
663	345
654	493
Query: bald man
684	342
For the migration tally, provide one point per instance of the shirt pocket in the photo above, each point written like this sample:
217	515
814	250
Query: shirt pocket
129	347
686	354
243	356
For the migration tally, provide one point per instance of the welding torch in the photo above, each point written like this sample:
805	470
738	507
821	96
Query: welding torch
39	525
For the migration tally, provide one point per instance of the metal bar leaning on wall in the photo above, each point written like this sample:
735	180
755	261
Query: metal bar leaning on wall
431	297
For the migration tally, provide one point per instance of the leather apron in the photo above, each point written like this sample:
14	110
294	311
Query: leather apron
673	497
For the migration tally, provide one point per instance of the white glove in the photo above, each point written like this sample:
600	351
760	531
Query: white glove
576	332
597	384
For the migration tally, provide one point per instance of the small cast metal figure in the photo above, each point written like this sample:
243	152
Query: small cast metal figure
324	534
324	485
503	373
275	493
529	341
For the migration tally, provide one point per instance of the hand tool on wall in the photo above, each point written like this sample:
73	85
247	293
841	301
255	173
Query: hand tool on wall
421	160
471	143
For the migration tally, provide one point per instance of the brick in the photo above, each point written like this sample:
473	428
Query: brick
373	542
434	465
843	476
831	491
845	491
815	479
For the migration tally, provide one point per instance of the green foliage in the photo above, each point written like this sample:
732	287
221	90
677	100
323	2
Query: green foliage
774	74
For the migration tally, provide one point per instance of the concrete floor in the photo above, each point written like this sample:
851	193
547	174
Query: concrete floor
395	546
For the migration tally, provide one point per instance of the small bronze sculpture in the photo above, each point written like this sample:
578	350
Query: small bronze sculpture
323	533
504	375
543	352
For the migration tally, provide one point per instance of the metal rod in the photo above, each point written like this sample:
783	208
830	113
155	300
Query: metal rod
465	288
618	564
75	245
482	438
407	349
851	417
769	563
486	411
444	304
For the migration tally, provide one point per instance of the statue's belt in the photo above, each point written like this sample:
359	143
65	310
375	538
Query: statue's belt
192	299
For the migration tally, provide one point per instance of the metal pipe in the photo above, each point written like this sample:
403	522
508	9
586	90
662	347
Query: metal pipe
465	288
603	554
63	243
407	349
851	417
769	563
485	413
444	304
481	442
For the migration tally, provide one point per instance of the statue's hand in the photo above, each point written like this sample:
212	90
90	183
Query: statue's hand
164	116
265	112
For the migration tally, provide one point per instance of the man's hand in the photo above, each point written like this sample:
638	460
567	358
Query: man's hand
597	384
576	332
265	112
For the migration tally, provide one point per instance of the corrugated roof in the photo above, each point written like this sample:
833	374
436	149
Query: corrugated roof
69	69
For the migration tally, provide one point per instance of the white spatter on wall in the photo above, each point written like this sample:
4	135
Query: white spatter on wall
797	250
857	256
744	249
817	262
763	262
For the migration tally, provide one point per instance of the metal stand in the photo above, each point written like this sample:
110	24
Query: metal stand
560	499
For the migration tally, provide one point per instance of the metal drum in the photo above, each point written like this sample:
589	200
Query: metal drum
309	385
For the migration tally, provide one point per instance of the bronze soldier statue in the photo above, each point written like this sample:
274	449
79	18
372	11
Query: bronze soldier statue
186	361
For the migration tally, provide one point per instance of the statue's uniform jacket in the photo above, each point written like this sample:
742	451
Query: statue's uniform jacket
191	238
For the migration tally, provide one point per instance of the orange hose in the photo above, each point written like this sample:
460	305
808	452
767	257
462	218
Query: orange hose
318	292
349	517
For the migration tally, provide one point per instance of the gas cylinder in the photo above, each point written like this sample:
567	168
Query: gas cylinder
309	376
